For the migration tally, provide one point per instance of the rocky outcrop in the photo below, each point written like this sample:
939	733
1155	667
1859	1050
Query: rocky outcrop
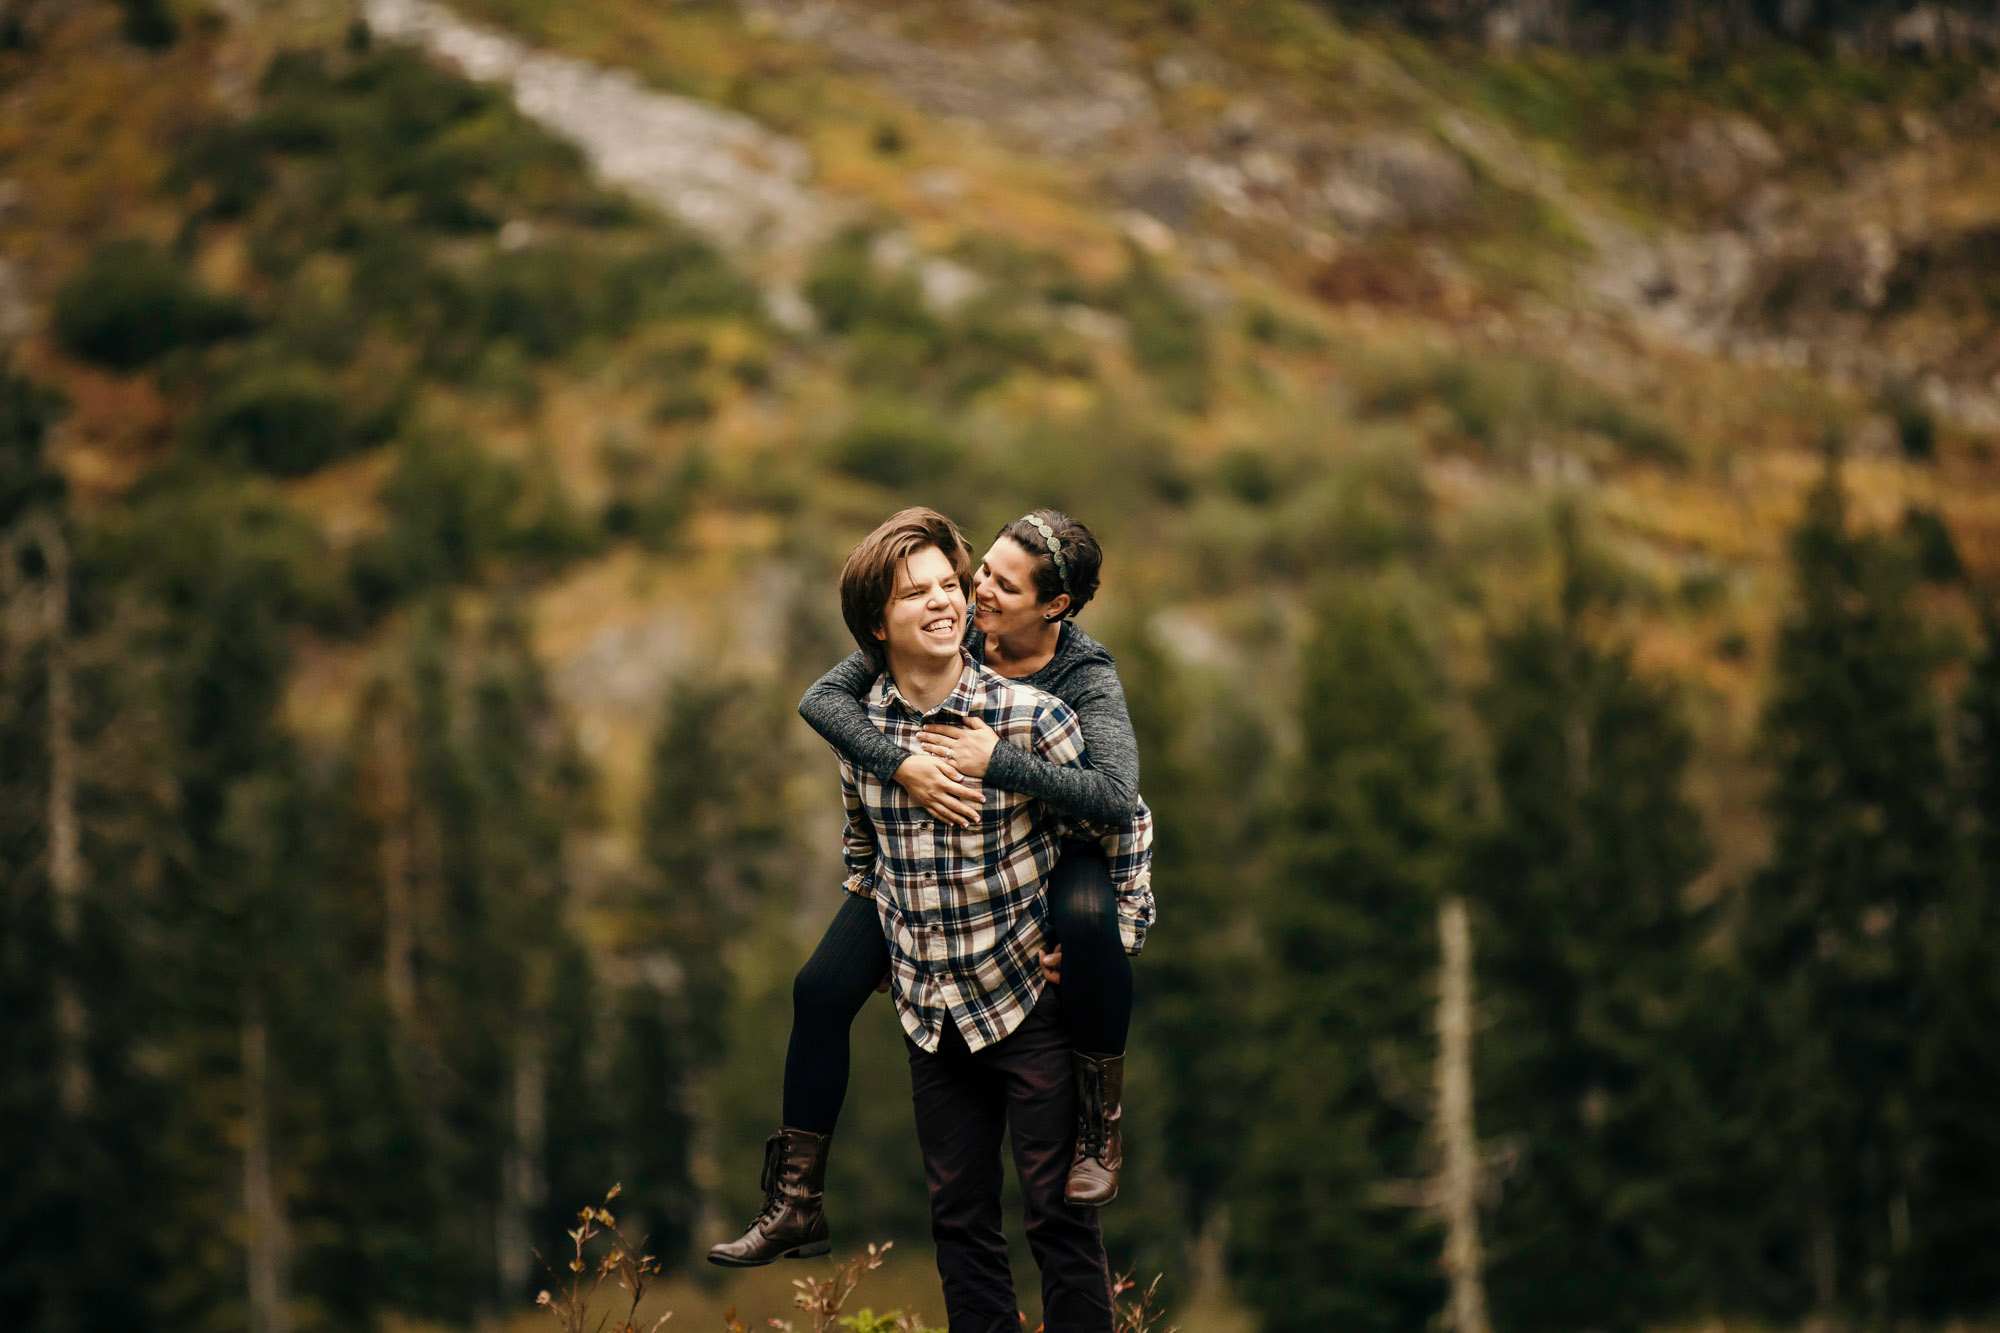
1934	30
1084	94
1393	179
1068	100
1718	158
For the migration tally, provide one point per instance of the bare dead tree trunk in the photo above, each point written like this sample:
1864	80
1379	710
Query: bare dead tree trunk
522	1186
399	934
267	1252
1458	1180
65	839
407	861
1825	1265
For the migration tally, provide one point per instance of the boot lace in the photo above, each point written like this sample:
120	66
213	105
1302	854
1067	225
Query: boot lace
774	1202
1091	1126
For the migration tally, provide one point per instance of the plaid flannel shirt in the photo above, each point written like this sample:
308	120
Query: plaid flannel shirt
963	909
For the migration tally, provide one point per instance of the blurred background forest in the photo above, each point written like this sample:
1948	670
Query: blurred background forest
1545	455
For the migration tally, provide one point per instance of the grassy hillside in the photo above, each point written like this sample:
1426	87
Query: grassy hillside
1247	388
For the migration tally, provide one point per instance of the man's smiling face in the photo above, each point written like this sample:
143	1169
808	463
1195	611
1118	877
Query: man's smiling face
924	621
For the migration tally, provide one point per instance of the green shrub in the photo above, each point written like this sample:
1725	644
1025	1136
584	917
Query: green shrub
389	128
650	499
991	340
133	304
229	159
1248	476
532	300
148	23
679	278
543	298
682	404
1169	336
1496	402
1478	400
300	110
1267	326
1637	435
1114	464
1916	427
284	420
1370	508
27	410
895	342
1703	589
551	530
891	358
1009	266
895	445
398	99
450	507
1931	547
842	284
391	273
193	528
850	293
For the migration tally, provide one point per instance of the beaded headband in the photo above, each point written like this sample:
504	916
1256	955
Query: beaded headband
1055	547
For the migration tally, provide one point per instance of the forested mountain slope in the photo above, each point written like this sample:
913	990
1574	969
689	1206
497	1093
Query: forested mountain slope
1551	464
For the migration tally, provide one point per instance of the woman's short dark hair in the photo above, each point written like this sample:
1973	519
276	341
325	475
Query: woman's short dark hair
1082	557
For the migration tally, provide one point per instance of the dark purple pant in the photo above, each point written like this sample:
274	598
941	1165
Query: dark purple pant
965	1100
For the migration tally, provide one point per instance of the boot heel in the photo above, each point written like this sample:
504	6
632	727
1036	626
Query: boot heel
813	1251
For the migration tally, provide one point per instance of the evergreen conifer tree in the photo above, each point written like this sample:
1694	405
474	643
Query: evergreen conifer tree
1588	957
1191	1013
1328	1228
77	777
225	568
495	788
1841	928
1955	1208
711	826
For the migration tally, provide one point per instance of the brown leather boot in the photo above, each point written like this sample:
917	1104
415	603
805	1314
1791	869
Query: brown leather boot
1100	1141
791	1224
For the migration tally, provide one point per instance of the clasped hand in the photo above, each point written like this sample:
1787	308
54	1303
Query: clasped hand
939	779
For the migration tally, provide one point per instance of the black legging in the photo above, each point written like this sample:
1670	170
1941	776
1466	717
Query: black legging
852	958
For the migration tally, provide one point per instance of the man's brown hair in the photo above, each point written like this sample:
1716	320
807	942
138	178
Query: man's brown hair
869	575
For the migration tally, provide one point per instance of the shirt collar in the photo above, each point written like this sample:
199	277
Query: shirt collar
963	700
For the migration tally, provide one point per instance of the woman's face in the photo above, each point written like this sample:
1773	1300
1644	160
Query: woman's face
1005	600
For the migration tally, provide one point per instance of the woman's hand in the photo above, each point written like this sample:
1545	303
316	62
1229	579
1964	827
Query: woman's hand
1052	965
968	748
939	788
